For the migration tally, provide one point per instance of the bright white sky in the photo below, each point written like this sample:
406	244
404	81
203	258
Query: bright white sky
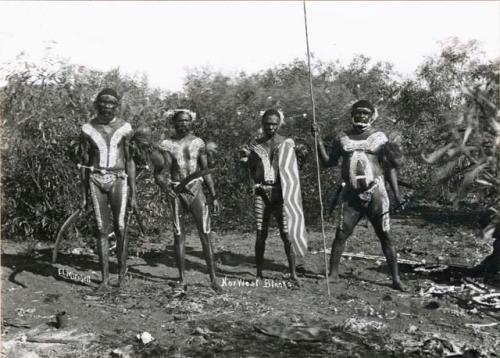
165	39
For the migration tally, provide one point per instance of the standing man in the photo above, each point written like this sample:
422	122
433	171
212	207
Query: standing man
272	167
107	172
368	160
180	171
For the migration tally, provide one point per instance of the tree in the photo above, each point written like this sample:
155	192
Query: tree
425	106
470	156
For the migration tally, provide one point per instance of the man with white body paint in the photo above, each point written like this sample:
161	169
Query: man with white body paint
108	171
368	160
180	169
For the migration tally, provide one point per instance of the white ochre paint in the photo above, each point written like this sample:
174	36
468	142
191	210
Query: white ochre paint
107	153
359	148
177	150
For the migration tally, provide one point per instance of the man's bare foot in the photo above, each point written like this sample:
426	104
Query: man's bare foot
180	285
122	280
333	277
180	288
103	288
216	287
294	280
397	285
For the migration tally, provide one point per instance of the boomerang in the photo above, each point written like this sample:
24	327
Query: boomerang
138	218
192	177
335	200
69	221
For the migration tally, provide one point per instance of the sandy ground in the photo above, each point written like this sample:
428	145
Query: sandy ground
362	317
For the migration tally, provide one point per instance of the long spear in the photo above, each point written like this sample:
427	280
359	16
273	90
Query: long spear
316	150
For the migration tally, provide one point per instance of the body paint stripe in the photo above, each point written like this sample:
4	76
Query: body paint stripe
95	201
99	141
121	217
118	135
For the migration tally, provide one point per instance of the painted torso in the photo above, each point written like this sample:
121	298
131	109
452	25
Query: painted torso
107	149
263	160
185	153
361	157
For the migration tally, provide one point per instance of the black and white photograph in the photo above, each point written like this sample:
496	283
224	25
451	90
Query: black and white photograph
250	179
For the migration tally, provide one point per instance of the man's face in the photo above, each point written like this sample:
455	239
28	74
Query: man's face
270	125
182	124
106	107
361	118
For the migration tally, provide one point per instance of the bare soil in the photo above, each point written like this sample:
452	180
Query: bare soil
362	317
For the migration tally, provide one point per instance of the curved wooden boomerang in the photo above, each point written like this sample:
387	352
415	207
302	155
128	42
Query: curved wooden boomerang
69	221
192	177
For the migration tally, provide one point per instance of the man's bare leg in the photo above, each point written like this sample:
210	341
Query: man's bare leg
122	256
280	216
260	248
200	212
102	215
118	203
103	252
375	214
179	247
350	218
262	216
390	255
179	239
338	246
290	256
208	252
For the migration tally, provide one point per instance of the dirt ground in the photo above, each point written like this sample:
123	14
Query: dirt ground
363	316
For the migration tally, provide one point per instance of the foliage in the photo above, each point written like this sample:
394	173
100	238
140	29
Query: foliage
43	107
231	110
470	151
469	157
424	106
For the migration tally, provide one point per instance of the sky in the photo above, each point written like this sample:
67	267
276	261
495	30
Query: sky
165	40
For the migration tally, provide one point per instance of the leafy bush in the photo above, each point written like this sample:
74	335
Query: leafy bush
44	106
42	112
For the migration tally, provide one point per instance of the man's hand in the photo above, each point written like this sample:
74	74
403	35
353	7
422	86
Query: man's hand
83	204
315	129
398	199
171	193
244	151
216	207
400	204
133	202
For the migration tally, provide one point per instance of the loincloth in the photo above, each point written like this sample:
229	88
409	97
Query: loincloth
361	200
191	198
270	193
190	192
106	179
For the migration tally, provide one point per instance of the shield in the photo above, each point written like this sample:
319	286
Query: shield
292	197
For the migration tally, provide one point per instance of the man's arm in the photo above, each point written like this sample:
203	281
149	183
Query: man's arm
84	173
327	159
131	173
393	182
392	161
162	163
203	162
246	164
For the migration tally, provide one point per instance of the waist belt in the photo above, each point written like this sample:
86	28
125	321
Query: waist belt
266	185
103	170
